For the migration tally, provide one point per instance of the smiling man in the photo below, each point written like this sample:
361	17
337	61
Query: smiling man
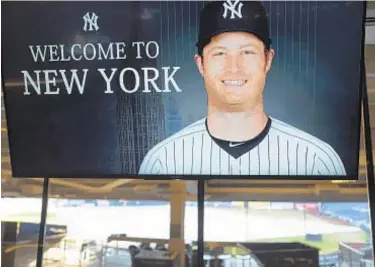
237	137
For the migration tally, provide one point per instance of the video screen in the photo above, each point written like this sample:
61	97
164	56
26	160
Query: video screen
183	89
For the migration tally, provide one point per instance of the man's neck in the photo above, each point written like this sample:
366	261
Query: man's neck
236	126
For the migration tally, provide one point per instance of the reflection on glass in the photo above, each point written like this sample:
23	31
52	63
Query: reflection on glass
191	221
20	218
106	231
324	233
102	230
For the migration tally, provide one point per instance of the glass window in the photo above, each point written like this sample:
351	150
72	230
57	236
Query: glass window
328	232
106	222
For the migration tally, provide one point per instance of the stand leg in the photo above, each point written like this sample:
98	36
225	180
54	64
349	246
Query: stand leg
42	226
200	254
369	161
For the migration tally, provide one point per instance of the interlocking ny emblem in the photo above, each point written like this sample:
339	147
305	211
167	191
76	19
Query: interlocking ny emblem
91	22
235	7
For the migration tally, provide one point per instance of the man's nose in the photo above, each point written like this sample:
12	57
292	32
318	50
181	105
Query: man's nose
234	63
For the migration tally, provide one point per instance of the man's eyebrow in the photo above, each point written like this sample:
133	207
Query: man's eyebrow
248	45
241	47
216	47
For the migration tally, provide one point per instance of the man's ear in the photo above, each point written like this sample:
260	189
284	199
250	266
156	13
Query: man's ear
199	61
270	55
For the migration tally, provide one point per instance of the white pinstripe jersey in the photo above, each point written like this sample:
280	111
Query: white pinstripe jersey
285	150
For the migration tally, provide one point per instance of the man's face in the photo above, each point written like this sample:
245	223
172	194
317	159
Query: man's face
234	67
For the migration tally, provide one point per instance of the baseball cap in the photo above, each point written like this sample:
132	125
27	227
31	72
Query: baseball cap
227	16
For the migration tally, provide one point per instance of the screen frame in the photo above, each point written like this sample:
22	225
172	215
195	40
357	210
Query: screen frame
362	84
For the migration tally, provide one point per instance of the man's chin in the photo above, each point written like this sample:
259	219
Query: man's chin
235	101
235	105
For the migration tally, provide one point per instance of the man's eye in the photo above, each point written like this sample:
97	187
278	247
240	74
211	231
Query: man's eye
249	52
219	54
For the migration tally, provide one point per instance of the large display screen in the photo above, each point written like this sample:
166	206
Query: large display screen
183	89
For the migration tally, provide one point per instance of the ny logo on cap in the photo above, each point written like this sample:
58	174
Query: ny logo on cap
234	7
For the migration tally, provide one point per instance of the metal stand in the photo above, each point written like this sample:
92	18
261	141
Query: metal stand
200	254
369	158
42	225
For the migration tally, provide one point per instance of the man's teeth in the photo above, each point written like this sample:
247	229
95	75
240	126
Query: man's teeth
235	82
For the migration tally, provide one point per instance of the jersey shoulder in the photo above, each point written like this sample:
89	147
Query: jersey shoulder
320	147
195	128
291	132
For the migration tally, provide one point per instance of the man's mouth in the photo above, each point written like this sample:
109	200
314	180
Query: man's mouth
234	82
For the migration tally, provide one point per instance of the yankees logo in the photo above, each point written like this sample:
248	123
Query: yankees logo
234	7
91	22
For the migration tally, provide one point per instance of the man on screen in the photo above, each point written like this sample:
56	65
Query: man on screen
237	137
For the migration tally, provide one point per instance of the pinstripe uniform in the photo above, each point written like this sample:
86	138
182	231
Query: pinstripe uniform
282	150
279	149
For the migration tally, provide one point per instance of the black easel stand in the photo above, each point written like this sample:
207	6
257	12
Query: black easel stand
42	225
369	159
200	254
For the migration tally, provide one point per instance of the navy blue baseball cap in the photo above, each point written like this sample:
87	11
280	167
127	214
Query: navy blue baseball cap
228	16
